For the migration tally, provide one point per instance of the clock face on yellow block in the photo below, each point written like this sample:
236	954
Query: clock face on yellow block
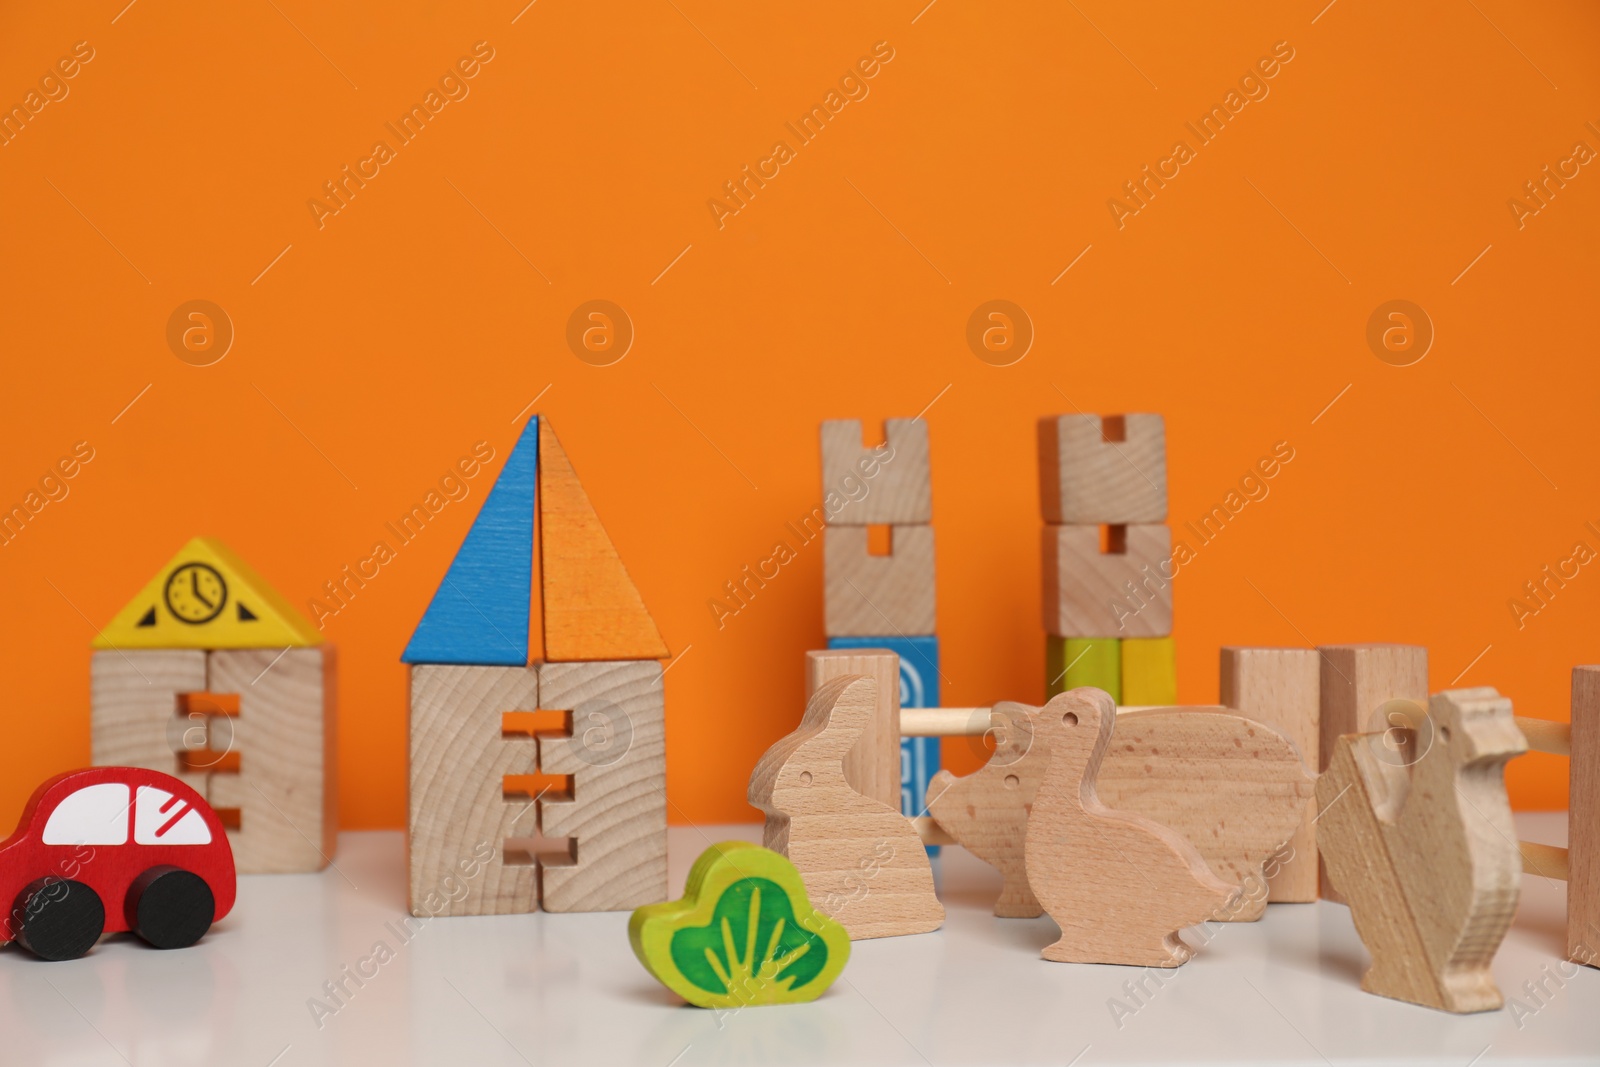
195	593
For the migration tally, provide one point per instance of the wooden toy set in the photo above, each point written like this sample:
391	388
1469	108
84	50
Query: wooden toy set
537	754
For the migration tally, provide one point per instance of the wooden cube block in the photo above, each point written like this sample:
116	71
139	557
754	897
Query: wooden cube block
1071	662
284	790
872	767
1357	681
617	758
1103	471
1280	687
1117	593
1583	820
134	719
1149	672
459	815
865	595
896	477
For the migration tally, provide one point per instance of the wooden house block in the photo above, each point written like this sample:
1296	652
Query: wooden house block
1358	681
866	595
1110	470
862	862
897	481
1426	855
134	700
1075	662
1280	687
616	756
284	791
872	767
460	816
592	610
1583	820
1119	884
1149	672
479	614
1120	592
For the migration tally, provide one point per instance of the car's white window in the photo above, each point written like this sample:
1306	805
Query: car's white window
94	815
159	818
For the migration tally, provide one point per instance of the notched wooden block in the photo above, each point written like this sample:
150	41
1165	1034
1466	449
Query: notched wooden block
890	483
1122	592
866	595
1103	470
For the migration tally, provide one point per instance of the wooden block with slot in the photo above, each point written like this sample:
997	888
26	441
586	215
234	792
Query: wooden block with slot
899	484
1075	662
592	610
1583	820
872	767
862	862
987	811
1149	672
1120	885
460	816
1358	681
134	719
1426	855
617	758
1280	687
1095	470
1235	788
284	791
866	595
1116	593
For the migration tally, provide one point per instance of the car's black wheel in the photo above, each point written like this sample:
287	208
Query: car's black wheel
58	919
170	907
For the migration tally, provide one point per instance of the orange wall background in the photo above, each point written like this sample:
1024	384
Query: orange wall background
432	309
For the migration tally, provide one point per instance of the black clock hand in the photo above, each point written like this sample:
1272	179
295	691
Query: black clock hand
194	586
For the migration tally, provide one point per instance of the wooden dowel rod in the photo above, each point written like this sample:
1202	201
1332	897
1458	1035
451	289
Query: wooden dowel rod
952	722
1546	736
1550	861
931	832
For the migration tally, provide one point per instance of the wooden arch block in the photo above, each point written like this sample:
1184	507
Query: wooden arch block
866	595
862	862
1110	470
1426	855
1119	884
896	475
1117	593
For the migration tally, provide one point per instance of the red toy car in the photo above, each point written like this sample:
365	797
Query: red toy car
109	849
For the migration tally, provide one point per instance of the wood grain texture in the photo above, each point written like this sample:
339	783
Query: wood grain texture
617	757
1075	662
1426	855
1119	884
592	610
1281	687
862	862
897	475
872	767
1356	682
1149	672
866	595
1090	593
1235	788
134	719
1084	478
1583	820
459	815
284	734
987	811
479	614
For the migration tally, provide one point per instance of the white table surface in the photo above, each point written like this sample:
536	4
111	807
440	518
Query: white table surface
566	989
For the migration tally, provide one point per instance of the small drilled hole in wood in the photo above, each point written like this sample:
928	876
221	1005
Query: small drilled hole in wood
1012	781
805	777
880	540
1070	718
1444	734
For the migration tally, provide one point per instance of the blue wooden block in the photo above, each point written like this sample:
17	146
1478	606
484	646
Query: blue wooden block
479	614
919	688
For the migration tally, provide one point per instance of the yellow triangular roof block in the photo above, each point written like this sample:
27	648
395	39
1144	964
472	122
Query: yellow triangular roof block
207	597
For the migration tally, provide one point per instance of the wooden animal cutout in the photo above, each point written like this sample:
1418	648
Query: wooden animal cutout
987	811
1120	885
861	860
1426	855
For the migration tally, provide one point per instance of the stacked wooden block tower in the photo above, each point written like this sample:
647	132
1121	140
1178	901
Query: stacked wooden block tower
878	584
1107	556
208	674
537	774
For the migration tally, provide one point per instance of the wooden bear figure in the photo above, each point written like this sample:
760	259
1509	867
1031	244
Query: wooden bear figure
861	860
1120	885
1426	855
987	811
